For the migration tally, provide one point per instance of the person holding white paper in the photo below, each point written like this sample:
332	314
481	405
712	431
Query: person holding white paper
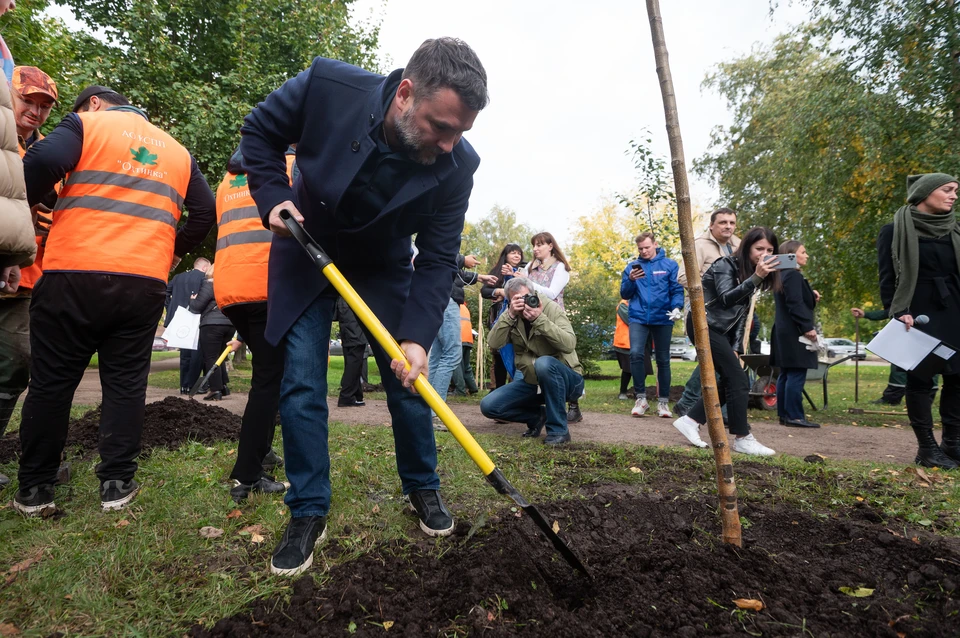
919	265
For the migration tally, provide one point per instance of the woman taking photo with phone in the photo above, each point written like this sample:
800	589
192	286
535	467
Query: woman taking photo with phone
507	266
728	287
795	302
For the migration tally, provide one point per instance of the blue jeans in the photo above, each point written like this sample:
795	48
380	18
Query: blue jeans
790	393
519	402
303	415
661	344
446	350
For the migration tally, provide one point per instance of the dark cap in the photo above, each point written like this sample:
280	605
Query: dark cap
88	93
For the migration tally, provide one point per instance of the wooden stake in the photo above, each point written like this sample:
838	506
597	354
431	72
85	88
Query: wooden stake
729	513
481	353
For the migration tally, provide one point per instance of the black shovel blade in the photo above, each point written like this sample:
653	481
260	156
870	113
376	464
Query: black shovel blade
502	485
202	380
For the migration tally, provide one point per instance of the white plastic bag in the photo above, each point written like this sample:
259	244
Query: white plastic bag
183	331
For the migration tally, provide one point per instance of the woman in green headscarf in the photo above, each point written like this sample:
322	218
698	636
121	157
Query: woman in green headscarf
919	259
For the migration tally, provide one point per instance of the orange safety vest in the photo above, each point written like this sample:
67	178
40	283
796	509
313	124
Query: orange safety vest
243	244
621	336
466	325
30	274
119	207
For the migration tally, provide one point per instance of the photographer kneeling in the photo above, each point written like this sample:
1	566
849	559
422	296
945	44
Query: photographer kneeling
545	354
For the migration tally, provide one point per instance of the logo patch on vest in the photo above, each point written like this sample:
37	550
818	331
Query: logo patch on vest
238	182
143	156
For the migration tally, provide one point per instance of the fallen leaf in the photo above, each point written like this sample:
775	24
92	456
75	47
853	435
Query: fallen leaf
256	538
749	603
231	452
924	475
251	529
211	532
376	509
7	629
490	616
387	624
857	592
68	597
636	470
122	523
860	498
916	540
556	527
23	566
235	514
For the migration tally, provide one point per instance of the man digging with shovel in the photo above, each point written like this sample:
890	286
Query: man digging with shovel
381	159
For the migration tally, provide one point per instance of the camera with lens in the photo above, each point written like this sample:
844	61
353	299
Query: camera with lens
532	300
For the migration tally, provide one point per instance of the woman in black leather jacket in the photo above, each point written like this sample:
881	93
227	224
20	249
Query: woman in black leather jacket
728	286
216	332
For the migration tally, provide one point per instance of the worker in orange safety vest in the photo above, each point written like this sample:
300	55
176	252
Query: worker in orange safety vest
113	241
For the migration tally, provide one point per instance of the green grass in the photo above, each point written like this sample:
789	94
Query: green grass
602	393
146	571
154	356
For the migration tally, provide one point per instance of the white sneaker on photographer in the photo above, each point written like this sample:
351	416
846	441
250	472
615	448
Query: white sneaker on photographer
690	429
749	445
640	407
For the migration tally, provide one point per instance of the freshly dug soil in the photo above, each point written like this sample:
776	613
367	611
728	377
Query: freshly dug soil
168	424
658	571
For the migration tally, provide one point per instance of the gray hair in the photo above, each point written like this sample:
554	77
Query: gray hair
448	63
514	285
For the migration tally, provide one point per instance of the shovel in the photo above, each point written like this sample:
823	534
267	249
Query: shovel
494	476
213	368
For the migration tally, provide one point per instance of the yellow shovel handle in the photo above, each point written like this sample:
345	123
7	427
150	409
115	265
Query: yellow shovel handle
393	350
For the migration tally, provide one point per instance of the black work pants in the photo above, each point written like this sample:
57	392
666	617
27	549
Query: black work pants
72	316
734	387
499	370
191	366
920	402
260	416
353	358
213	341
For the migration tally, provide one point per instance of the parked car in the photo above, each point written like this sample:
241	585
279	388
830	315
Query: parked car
844	347
160	345
681	348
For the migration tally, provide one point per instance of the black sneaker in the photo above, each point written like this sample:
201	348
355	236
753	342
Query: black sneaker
264	485
226	391
272	461
115	495
32	501
435	519
294	554
574	415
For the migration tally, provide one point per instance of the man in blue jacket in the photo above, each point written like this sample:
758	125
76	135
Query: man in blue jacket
656	297
381	159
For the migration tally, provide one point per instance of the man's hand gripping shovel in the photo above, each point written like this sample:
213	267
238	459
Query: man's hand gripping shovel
392	348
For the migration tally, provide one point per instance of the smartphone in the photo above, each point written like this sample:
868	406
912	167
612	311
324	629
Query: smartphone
787	261
636	267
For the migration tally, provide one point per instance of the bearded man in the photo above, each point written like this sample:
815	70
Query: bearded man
380	159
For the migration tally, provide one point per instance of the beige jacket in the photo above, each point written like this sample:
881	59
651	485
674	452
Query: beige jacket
708	251
18	246
551	335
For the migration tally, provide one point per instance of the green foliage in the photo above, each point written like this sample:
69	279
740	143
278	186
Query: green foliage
819	157
653	201
487	237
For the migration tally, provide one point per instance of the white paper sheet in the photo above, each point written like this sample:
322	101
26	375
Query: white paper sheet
900	347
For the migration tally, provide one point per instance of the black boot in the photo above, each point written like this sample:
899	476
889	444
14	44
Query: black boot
534	430
951	442
929	453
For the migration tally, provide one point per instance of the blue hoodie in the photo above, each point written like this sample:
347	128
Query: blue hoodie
654	295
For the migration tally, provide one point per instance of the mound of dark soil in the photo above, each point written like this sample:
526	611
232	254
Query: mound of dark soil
168	424
658	570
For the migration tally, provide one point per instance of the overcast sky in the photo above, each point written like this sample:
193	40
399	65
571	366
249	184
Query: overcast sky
571	83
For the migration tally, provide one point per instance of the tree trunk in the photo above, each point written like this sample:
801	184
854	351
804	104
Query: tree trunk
241	353
729	514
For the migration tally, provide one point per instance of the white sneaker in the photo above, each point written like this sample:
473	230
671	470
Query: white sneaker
663	410
640	407
691	430
749	445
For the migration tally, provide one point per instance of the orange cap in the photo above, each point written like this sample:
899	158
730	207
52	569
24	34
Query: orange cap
29	80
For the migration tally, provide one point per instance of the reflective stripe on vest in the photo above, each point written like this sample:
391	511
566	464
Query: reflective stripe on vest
466	326
119	207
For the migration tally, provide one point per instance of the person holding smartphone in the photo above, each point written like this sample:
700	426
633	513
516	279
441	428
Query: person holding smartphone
728	287
795	303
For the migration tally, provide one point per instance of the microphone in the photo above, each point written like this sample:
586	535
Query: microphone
921	319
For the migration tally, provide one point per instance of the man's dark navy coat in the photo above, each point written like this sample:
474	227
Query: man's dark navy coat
330	111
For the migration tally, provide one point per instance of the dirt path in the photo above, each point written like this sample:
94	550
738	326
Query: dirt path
893	445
